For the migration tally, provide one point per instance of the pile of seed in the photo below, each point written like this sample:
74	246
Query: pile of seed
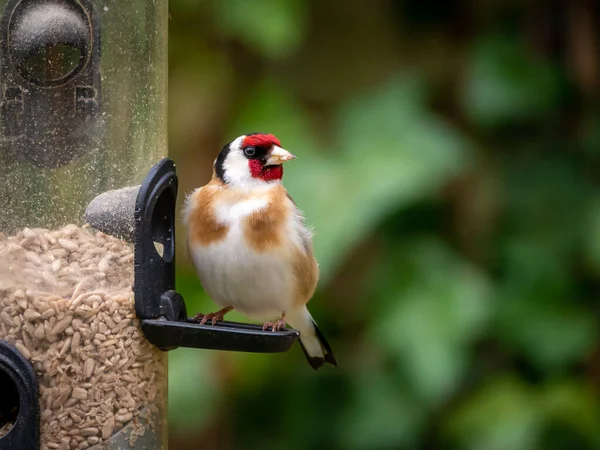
4	429
66	303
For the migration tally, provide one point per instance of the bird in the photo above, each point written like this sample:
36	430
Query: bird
250	246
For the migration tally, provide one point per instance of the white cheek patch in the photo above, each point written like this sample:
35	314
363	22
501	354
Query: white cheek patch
237	170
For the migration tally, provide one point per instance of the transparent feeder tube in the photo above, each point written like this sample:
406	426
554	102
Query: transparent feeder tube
82	111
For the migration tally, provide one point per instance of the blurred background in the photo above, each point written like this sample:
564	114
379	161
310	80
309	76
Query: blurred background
449	160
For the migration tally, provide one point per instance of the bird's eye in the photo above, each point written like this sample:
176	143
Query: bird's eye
249	151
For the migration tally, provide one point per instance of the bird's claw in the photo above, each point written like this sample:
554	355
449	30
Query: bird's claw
213	317
278	325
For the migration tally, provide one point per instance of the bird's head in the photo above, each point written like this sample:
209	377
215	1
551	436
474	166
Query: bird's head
252	160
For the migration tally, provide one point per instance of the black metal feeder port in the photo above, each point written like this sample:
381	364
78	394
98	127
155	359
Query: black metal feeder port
145	215
19	408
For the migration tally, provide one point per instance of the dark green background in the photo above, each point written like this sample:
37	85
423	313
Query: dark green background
449	159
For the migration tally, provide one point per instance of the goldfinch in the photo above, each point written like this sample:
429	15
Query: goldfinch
250	246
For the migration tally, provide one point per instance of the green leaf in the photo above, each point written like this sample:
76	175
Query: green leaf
503	415
551	333
506	83
541	311
509	414
432	317
574	404
390	152
382	416
274	28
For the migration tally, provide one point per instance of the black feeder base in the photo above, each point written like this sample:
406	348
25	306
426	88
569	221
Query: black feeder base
145	215
232	336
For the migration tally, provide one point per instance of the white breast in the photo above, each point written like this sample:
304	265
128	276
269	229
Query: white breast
259	285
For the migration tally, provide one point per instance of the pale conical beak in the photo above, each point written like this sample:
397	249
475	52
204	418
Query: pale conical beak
277	156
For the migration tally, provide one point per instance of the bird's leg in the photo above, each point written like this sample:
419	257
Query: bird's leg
214	317
278	325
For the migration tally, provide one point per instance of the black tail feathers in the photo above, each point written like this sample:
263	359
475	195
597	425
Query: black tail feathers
316	361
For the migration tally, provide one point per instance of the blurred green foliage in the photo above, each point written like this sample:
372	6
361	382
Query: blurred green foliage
448	161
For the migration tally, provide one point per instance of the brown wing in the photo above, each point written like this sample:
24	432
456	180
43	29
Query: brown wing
306	274
304	264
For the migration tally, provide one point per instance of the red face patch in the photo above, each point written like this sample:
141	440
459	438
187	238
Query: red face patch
260	140
269	173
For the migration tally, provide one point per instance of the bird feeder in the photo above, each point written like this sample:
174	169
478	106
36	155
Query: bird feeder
88	302
82	111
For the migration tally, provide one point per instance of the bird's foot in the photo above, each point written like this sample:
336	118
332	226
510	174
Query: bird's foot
278	325
214	317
